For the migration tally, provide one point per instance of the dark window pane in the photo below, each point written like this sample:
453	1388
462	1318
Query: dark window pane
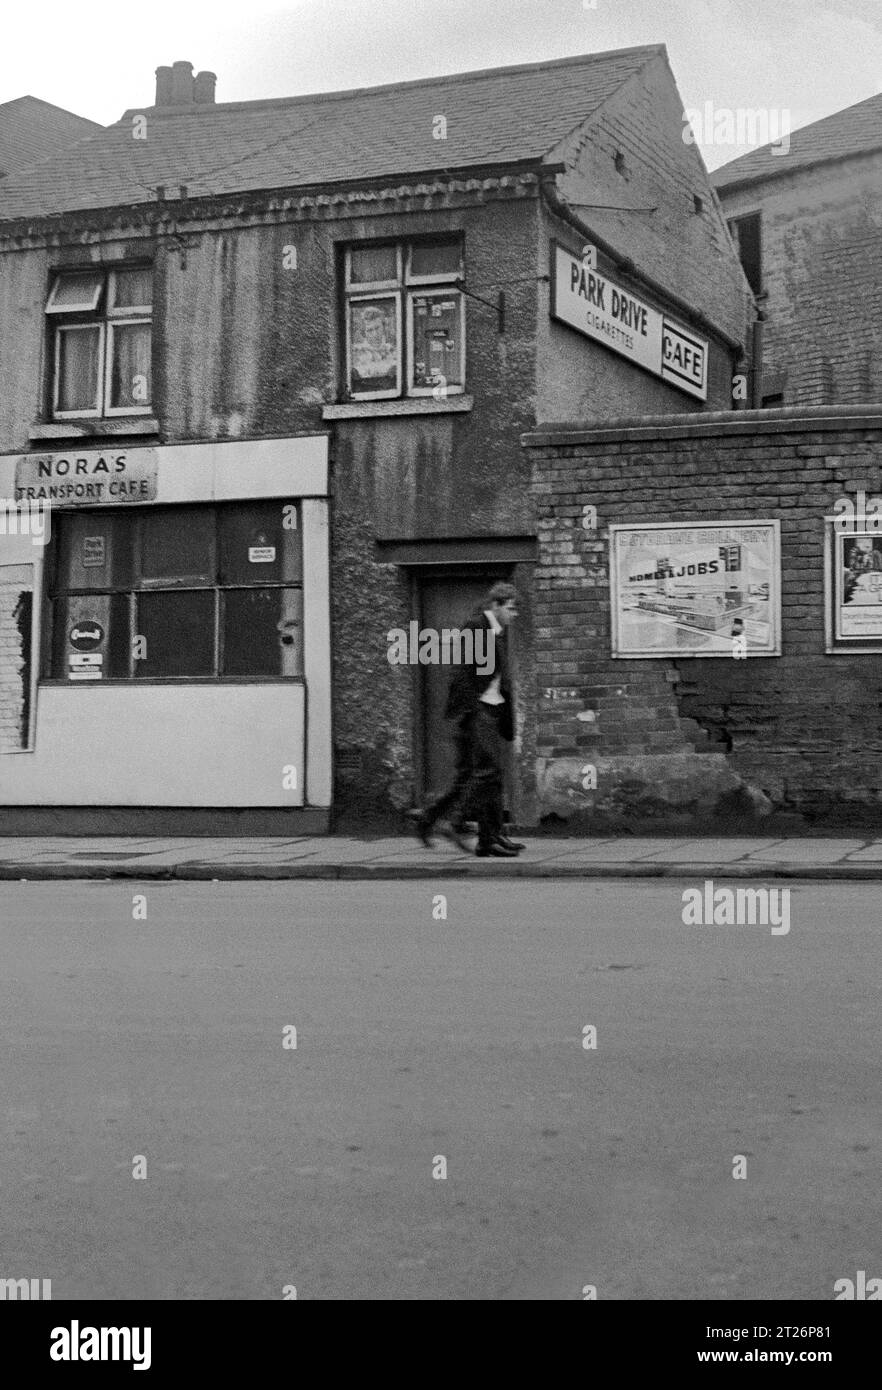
177	546
373	345
437	339
178	633
78	358
94	551
373	265
747	235
262	632
435	258
130	380
119	642
259	542
133	289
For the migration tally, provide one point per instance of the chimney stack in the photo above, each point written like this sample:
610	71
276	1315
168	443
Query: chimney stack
203	88
182	84
163	86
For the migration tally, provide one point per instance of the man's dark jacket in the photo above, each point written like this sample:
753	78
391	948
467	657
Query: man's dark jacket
468	683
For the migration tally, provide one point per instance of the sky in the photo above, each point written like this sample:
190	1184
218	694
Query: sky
796	60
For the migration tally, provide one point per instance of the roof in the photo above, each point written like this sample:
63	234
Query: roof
31	130
856	130
496	116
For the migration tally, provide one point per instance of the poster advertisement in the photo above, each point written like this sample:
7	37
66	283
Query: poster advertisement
693	590
854	590
605	311
18	643
373	350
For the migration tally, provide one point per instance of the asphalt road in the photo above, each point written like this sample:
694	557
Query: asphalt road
418	1039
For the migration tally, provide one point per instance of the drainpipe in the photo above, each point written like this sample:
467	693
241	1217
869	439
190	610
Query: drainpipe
756	349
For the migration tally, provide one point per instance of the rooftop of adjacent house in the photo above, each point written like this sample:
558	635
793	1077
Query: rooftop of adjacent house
32	130
475	119
856	130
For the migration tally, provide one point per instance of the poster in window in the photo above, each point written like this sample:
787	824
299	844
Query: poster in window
373	345
17	642
854	590
436	341
689	590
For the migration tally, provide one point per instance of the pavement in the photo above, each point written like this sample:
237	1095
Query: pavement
402	857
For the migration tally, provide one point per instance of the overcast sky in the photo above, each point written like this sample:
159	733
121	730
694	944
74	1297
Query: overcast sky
807	58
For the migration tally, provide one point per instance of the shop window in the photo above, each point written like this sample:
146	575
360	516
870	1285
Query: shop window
404	319
100	330
747	236
176	593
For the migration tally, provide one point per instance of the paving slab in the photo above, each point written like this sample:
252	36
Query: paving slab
808	851
703	851
869	853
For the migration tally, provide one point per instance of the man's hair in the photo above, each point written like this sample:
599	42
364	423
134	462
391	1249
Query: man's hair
501	592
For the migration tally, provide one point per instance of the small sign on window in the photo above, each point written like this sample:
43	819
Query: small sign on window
261	554
94	552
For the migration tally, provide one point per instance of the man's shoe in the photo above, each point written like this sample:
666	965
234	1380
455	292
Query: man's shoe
456	834
495	851
510	844
421	827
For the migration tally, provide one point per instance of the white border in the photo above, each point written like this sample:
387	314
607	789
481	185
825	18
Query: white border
834	645
668	654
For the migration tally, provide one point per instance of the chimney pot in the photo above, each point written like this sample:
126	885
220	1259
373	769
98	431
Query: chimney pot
163	86
203	87
182	84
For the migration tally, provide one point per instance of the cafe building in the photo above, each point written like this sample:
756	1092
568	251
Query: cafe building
269	365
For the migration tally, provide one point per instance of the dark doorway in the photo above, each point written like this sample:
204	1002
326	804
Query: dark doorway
442	600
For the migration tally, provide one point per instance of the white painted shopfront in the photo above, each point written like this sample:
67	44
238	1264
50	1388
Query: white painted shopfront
175	651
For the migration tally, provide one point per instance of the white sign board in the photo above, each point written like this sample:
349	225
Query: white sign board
87	477
587	301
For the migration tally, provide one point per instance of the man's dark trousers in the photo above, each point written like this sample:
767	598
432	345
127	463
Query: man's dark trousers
452	802
485	788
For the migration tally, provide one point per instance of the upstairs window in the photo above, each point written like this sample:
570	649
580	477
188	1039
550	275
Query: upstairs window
746	234
100	326
405	321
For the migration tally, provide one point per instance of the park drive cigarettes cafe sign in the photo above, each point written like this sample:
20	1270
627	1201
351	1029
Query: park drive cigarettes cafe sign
88	477
602	310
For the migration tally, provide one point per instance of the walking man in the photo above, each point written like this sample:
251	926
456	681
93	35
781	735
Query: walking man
481	702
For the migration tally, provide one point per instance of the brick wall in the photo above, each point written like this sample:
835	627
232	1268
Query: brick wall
822	270
690	742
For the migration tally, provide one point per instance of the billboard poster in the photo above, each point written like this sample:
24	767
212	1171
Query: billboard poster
18	643
693	590
853	589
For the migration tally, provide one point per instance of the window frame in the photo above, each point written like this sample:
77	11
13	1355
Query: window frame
404	290
81	413
427	292
143	407
54	594
388	393
104	315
